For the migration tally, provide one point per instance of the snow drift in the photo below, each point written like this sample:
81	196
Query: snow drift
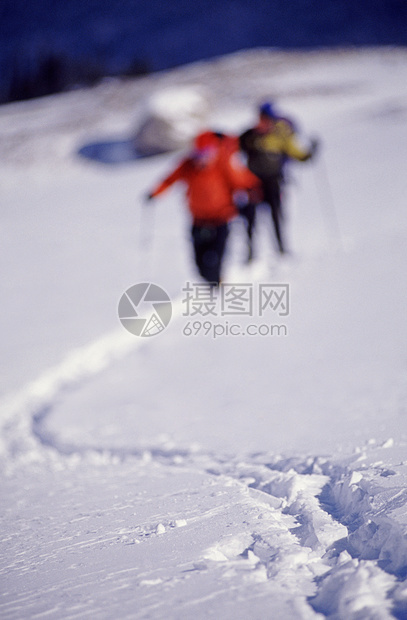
171	119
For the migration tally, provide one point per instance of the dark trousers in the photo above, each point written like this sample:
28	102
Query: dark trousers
209	241
272	196
271	187
248	213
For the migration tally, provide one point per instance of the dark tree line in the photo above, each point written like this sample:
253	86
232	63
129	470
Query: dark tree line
48	73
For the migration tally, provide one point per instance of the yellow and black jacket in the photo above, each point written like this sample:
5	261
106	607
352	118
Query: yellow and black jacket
268	151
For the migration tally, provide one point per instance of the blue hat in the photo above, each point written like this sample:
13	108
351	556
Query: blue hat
267	109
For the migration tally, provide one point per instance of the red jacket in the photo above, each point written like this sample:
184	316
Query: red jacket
210	187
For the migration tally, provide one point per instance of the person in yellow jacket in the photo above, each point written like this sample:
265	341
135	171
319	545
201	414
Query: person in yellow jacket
268	146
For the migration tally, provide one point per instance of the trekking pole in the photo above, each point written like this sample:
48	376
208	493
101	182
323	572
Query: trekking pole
146	238
326	199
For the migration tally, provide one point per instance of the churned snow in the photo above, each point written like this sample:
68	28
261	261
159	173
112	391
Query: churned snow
199	473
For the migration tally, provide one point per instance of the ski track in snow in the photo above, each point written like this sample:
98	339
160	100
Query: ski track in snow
326	525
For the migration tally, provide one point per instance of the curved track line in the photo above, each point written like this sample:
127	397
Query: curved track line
21	410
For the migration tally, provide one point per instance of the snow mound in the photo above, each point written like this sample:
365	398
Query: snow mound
355	590
171	119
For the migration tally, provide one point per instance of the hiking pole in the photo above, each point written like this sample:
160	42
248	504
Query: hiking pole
326	199
146	225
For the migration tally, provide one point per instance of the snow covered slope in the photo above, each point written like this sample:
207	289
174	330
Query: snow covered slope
202	473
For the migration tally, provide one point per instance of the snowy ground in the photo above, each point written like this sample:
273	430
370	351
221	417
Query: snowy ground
185	475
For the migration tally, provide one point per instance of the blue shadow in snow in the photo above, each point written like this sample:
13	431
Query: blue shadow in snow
114	152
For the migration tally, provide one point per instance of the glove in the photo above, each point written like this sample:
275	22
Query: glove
255	195
314	146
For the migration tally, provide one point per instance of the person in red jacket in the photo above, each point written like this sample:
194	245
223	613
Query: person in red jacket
212	178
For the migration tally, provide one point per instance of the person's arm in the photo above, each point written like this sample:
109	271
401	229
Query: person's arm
177	175
293	149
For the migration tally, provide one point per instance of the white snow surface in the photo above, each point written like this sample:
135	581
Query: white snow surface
187	476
